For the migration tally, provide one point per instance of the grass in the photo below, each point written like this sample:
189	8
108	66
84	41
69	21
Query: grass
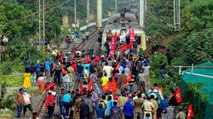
18	67
11	80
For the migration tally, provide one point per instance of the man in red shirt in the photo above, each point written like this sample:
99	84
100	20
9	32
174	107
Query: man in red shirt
50	103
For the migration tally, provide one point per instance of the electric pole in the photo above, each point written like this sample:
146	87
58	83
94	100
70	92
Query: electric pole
75	11
176	15
44	21
116	5
39	22
75	20
88	9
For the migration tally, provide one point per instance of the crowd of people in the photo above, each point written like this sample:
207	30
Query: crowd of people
108	87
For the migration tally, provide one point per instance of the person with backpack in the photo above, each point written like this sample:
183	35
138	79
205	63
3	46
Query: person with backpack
84	110
115	112
100	109
57	74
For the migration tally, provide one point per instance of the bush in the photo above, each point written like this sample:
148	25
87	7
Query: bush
6	112
8	103
155	62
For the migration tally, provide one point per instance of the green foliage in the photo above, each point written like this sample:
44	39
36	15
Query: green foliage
156	59
192	95
8	103
6	112
3	89
197	15
194	48
159	18
10	80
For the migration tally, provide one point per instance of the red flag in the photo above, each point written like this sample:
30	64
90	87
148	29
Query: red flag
90	84
81	87
117	67
123	47
190	112
87	59
49	85
97	59
114	86
113	43
63	71
107	87
132	34
178	95
129	78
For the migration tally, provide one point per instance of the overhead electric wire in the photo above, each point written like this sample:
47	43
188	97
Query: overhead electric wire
179	40
34	13
13	21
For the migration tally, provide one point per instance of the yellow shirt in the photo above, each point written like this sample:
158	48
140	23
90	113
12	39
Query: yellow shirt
104	80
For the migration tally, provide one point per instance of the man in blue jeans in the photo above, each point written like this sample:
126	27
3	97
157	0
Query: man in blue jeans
19	102
66	101
80	70
60	102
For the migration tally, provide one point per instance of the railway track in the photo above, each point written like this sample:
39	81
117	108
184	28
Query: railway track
88	44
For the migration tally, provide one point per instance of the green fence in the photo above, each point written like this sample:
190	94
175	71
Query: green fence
198	90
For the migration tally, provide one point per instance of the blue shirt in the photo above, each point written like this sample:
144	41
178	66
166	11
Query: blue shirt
109	106
47	65
100	111
128	109
38	67
67	98
86	65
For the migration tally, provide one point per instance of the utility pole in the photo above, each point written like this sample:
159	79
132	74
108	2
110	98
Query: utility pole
39	22
141	13
99	14
177	15
88	9
75	11
116	5
44	21
75	20
130	3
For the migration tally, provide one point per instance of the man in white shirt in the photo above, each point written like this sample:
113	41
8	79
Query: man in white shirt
127	71
27	102
146	73
147	105
108	70
66	80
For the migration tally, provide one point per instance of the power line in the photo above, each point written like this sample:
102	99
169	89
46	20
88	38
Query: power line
179	40
34	13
